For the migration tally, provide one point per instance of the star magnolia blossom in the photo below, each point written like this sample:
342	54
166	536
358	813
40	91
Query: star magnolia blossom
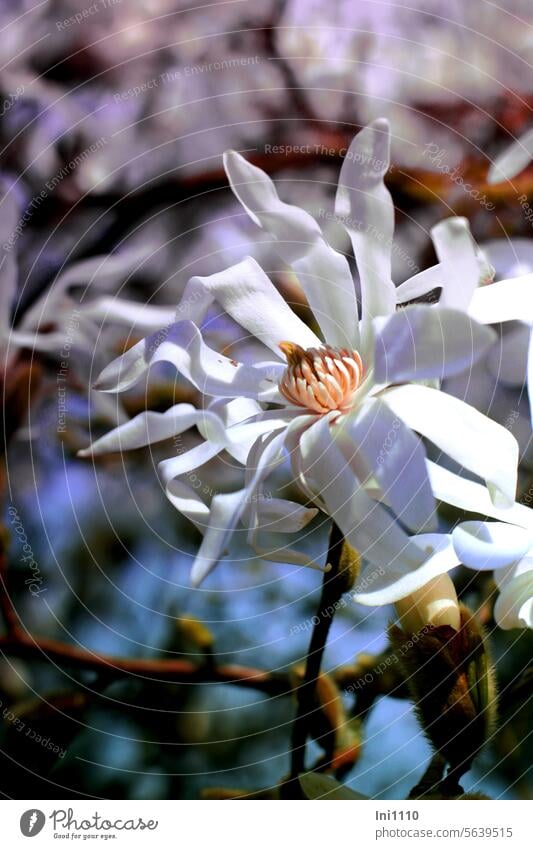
347	401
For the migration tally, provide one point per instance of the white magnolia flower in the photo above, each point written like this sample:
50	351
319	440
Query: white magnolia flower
347	400
499	384
493	545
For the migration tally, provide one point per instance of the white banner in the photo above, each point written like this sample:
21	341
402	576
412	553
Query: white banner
359	824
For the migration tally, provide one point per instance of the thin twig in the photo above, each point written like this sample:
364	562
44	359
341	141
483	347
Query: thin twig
161	670
332	590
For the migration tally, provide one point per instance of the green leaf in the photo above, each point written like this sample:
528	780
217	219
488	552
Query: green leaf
316	786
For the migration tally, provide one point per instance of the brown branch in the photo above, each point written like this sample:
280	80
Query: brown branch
154	669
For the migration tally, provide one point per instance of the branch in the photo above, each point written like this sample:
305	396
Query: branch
160	670
333	586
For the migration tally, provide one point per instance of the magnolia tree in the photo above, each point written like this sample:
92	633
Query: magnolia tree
361	408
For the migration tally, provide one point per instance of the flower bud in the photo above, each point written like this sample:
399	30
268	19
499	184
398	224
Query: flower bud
448	673
433	604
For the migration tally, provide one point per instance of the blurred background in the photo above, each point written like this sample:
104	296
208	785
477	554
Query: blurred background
113	120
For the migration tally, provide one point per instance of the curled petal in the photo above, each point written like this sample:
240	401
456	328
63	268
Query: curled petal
490	545
397	580
149	427
323	272
365	204
246	294
473	497
182	345
456	248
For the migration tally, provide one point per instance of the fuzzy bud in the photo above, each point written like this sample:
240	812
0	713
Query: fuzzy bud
448	673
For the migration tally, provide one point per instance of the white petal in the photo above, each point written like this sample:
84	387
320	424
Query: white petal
236	410
423	342
182	345
280	516
186	500
474	498
365	204
514	605
365	524
397	580
377	440
423	282
490	545
245	292
274	515
240	438
323	272
485	448
228	508
149	427
139	317
514	159
455	246
505	300
188	461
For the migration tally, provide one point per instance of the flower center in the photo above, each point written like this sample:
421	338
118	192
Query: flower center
321	379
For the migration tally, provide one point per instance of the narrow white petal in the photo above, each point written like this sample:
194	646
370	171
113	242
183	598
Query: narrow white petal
246	294
365	204
149	427
364	523
485	448
490	545
323	272
378	441
424	282
514	159
228	508
473	497
186	500
275	515
187	461
239	439
423	342
505	300
182	345
394	581
456	248
280	516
